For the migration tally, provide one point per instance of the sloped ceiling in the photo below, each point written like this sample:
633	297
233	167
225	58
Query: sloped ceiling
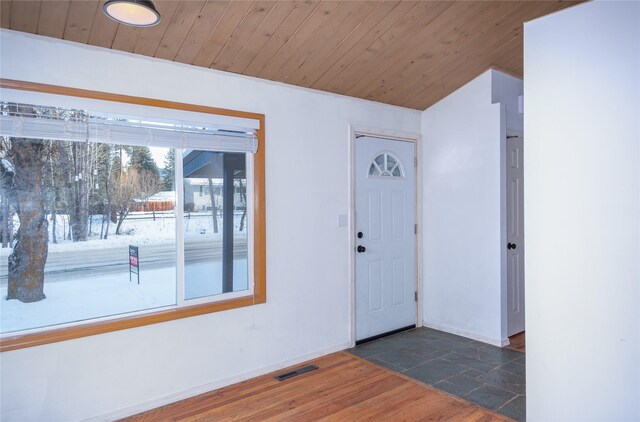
407	53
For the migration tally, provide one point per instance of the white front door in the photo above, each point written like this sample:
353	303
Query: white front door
385	236
515	236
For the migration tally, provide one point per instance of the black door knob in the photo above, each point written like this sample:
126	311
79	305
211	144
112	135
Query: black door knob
511	245
360	235
361	249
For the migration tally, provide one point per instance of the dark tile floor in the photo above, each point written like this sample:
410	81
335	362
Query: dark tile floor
489	376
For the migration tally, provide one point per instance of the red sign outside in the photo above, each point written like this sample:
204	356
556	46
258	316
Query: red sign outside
133	262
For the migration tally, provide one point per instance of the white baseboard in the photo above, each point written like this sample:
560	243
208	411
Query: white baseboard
152	404
473	336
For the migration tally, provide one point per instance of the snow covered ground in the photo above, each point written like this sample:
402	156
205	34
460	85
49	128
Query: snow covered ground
113	294
139	229
79	288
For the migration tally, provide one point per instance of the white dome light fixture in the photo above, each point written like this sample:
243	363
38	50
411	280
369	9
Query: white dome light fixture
141	13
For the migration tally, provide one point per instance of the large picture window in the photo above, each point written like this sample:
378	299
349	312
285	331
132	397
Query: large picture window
120	213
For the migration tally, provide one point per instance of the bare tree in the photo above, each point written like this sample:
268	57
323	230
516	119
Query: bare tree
242	190
74	157
107	162
148	185
125	190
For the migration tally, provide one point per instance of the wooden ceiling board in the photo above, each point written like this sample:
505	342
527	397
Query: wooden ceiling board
204	25
409	53
458	79
324	40
286	29
103	30
79	20
348	52
24	16
515	65
126	38
426	34
311	69
260	36
244	31
339	24
150	38
481	52
56	11
441	46
420	80
324	14
233	15
389	41
181	23
5	14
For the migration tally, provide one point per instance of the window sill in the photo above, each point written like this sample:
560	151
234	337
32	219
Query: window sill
61	334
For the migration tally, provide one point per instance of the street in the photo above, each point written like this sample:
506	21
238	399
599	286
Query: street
81	263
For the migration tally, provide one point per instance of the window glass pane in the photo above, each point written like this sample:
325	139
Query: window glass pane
215	224
373	170
380	161
391	162
80	224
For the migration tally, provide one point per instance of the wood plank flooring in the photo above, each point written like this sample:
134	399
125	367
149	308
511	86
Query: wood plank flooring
517	342
344	388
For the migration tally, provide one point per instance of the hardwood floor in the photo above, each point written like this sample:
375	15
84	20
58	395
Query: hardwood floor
517	342
344	388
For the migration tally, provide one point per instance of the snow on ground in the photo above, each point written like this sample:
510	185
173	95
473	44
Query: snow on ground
108	291
140	229
113	294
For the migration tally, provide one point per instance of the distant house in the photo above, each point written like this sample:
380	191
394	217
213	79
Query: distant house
161	201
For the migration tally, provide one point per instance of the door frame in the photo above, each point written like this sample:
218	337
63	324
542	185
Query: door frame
356	130
504	283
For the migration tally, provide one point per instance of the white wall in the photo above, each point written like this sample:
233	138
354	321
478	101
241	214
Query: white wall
506	89
463	207
308	307
582	213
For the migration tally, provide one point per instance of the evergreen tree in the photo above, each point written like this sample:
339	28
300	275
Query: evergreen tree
169	170
140	158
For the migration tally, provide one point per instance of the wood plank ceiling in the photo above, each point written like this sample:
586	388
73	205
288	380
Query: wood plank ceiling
407	53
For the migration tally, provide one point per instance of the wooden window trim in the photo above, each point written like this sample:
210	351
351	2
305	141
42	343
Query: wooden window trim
259	231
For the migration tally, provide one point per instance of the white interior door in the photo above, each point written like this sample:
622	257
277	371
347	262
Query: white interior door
385	236
515	236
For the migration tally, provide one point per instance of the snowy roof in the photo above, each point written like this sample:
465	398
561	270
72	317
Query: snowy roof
167	195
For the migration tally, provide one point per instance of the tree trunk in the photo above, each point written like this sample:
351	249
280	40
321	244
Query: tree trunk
6	216
54	217
29	255
242	219
243	195
79	215
108	215
26	262
121	218
107	191
54	202
214	209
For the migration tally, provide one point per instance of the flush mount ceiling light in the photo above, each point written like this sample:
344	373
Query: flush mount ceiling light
132	12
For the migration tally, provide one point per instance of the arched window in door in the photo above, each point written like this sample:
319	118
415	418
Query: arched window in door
386	165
